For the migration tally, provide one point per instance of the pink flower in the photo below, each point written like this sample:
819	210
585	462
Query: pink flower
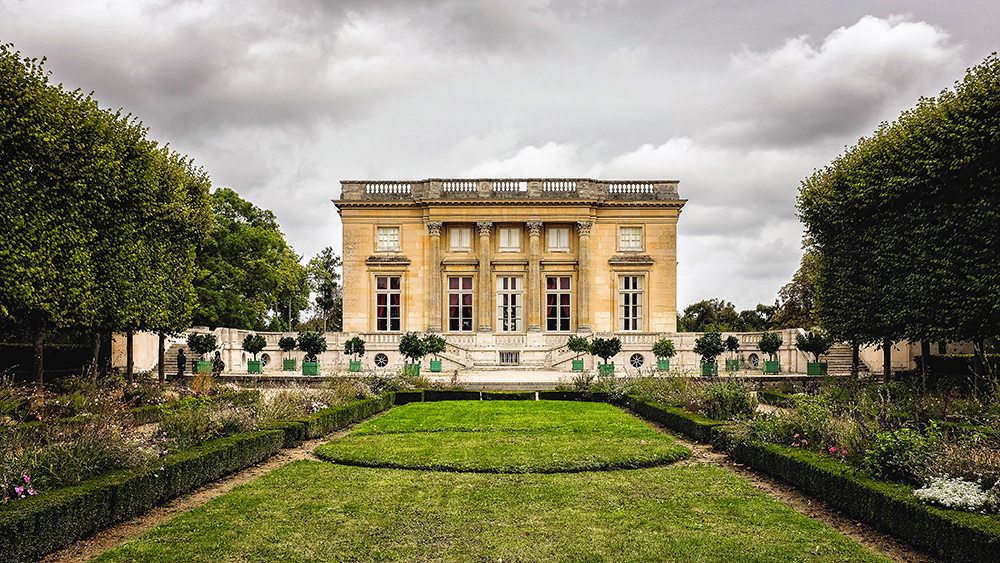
19	491
805	442
833	449
26	478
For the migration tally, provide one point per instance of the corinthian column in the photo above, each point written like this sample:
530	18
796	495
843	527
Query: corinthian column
485	285
534	272
434	290
583	281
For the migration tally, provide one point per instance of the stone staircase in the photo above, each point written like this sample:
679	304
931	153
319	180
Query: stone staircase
839	360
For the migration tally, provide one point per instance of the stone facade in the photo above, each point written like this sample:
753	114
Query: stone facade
506	270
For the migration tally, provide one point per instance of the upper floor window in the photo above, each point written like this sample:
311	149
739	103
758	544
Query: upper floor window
460	238
559	239
388	238
510	239
630	238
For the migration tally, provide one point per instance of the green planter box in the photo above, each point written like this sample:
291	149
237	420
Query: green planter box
412	370
355	365
310	368
288	364
203	367
606	370
772	367
577	365
255	367
435	365
732	365
708	370
663	365
816	368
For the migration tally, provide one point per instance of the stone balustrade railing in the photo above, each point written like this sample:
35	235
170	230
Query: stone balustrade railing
509	188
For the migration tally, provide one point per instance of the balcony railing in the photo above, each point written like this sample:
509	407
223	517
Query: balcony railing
509	188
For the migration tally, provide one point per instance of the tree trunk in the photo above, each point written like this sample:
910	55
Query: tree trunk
161	356
95	356
855	359
129	362
925	355
978	367
886	360
38	338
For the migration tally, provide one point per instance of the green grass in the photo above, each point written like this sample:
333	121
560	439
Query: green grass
507	437
315	511
312	511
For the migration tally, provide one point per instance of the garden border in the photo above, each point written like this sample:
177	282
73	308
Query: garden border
33	527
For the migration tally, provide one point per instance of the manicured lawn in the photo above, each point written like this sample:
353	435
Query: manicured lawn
505	437
316	511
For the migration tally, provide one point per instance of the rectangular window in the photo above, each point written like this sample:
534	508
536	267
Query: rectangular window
631	238
559	238
557	304
387	298
388	238
460	238
510	304
510	239
460	304
630	302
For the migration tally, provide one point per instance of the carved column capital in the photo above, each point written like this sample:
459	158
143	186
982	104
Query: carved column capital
434	228
583	227
534	228
484	228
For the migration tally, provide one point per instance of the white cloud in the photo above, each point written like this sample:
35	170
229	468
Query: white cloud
798	93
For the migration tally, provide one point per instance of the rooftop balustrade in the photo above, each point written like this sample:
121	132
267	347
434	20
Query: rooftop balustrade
509	188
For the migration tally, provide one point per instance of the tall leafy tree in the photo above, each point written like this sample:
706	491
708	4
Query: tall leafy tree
905	223
324	281
244	265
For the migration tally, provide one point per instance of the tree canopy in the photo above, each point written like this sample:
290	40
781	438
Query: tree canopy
905	225
324	281
99	223
245	267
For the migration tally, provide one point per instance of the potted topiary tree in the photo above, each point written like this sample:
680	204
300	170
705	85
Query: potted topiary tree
732	346
578	345
435	345
709	346
355	348
313	344
287	344
412	347
606	348
202	344
816	343
663	349
770	343
254	343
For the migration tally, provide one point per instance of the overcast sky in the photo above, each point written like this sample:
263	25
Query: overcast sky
739	100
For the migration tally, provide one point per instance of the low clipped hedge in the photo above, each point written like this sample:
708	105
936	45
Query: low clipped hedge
950	534
508	395
33	527
451	395
405	397
696	426
574	396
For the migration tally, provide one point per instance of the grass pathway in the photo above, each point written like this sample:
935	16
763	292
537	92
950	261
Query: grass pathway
309	510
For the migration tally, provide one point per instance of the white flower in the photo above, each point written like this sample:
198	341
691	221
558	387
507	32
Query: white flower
957	493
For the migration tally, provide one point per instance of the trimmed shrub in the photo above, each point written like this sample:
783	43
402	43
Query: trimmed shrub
450	395
508	395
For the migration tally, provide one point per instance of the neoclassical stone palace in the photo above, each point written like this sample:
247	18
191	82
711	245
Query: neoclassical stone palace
506	270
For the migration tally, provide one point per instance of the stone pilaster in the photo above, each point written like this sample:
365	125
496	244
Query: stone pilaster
485	275
434	288
534	304
583	280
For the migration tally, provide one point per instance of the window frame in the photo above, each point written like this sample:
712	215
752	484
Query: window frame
379	247
627	297
549	231
389	291
563	303
461	293
516	296
501	247
640	243
455	230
